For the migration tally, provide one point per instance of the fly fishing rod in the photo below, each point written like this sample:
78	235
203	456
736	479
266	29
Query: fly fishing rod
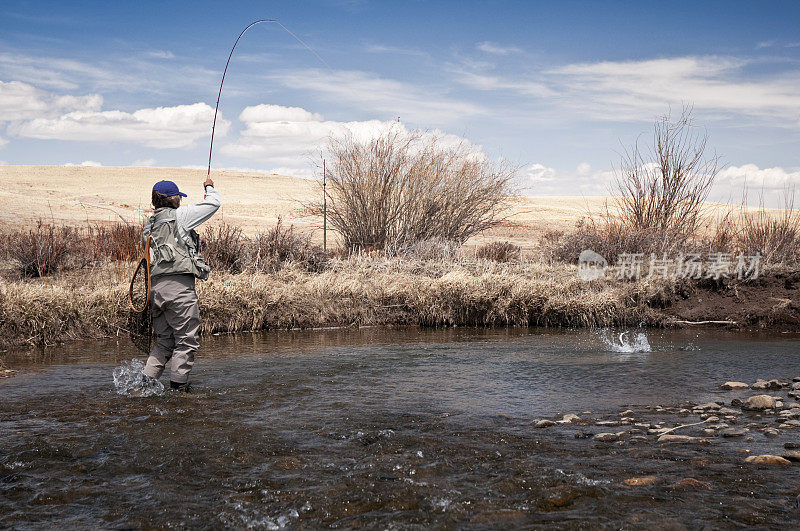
219	94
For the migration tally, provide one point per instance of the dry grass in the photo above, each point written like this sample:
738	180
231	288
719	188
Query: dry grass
362	290
499	252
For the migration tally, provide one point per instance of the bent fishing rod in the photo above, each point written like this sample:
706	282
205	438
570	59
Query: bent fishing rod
219	94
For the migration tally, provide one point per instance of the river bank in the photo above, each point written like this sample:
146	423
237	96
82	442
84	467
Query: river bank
366	291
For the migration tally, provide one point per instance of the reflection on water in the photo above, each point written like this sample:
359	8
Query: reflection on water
381	427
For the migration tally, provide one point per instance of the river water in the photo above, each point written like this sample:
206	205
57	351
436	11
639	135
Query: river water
387	428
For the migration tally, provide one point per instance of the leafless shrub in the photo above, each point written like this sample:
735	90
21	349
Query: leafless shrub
42	250
658	195
115	242
399	188
499	252
279	245
659	191
225	247
609	238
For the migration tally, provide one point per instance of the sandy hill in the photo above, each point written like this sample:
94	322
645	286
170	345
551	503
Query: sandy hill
77	195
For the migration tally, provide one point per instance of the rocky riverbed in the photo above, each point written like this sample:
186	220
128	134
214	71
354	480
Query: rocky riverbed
768	416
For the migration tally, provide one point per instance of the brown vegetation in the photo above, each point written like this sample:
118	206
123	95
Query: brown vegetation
398	189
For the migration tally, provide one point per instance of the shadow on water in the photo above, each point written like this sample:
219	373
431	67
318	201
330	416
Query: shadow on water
387	427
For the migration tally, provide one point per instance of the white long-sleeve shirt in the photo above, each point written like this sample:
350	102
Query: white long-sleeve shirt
193	215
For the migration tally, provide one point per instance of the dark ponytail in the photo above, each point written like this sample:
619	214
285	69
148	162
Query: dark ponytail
162	201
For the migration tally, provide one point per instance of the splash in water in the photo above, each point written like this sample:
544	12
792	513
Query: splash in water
128	380
626	342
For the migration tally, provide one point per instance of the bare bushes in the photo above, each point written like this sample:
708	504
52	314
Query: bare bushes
658	195
115	242
42	250
774	234
401	188
281	245
433	249
225	248
659	191
499	252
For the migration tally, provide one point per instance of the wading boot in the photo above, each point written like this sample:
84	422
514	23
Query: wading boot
185	387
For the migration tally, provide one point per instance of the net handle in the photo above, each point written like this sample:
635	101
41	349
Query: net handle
146	259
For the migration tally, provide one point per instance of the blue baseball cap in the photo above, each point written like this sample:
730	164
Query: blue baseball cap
168	188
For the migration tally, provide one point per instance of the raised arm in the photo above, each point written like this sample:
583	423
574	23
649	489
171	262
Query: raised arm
193	215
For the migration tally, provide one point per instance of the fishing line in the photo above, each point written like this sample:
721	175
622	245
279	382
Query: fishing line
219	94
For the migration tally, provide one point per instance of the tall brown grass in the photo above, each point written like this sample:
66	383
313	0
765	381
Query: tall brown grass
774	234
398	189
361	290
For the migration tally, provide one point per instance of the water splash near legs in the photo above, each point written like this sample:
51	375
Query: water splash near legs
129	380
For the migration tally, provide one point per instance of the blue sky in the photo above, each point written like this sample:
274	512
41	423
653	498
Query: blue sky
556	87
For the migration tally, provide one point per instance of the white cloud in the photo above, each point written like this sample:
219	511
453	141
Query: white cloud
497	49
286	145
21	101
756	178
388	97
397	50
161	54
583	168
143	162
54	72
162	127
641	89
3	141
539	173
277	113
88	163
491	83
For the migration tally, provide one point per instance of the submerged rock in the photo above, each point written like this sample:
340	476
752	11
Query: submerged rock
639	482
760	402
679	439
608	437
690	484
791	445
771	432
760	384
792	455
734	432
768	459
544	423
734	385
569	418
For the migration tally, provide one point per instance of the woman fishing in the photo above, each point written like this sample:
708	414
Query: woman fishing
175	262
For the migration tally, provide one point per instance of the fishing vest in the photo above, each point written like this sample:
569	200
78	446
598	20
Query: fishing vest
170	254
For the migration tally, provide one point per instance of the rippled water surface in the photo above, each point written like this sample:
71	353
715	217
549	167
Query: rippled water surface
389	428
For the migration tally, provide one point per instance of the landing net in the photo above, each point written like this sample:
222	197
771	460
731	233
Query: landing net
140	317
